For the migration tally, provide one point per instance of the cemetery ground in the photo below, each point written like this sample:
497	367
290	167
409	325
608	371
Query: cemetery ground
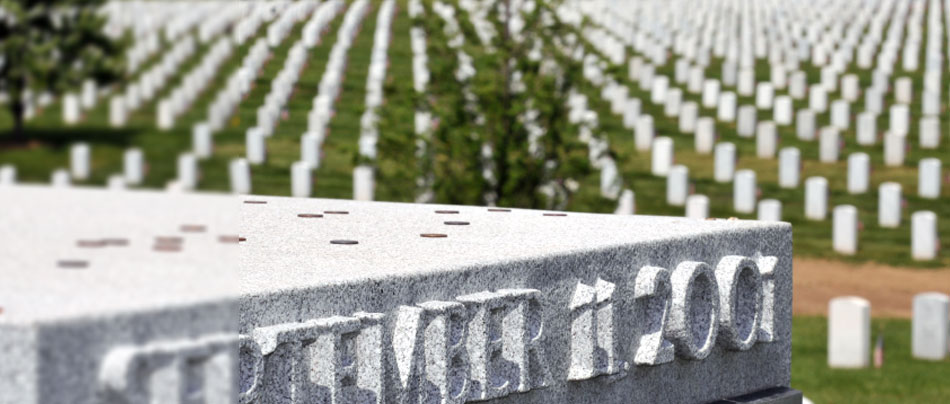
47	148
882	271
902	379
890	290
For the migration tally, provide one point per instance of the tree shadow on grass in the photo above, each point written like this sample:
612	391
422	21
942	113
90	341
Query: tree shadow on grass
57	137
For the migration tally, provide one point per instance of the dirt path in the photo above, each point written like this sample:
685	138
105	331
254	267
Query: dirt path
890	290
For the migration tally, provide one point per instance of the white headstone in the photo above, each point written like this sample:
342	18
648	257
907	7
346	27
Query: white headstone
828	145
658	89
697	206
845	229
778	76
805	124
201	140
256	144
817	98
310	150
165	115
631	112
300	179
931	102
744	191
88	94
627	204
610	181
661	156
239	172
770	210
677	185
745	127
867	128
724	162
889	205
116	182
850	88
60	178
923	235
829	79
364	183
726	111
673	103
187	171
903	90
71	112
643	133
117	111
816	198
894	149
859	172
705	135
764	93
133	166
782	112
929	132
7	175
689	113
929	178
840	114
798	85
849	332
710	93
746	84
874	101
789	167
930	329
694	85
79	161
900	119
766	140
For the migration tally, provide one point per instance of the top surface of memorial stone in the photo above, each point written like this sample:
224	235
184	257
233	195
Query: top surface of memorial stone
300	243
83	252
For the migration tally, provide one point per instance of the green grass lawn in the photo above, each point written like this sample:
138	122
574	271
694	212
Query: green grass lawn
902	379
50	139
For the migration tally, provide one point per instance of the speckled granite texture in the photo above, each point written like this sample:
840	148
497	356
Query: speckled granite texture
86	274
516	306
359	302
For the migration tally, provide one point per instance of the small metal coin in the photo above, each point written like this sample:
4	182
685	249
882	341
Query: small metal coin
344	242
72	264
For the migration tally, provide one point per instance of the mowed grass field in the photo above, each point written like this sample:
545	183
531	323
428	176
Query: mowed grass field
901	379
49	141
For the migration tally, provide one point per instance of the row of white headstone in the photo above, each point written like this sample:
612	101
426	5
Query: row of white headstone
849	330
930	177
193	83
282	85
376	75
322	111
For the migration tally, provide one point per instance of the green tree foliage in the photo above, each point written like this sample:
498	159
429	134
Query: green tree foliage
53	45
490	111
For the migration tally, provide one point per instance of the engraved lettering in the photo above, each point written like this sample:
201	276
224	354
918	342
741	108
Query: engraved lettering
740	302
184	371
429	343
694	313
593	351
652	301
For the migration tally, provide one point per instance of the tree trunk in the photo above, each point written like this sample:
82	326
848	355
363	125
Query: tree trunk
16	109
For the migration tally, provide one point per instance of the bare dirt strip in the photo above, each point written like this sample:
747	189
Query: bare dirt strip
889	289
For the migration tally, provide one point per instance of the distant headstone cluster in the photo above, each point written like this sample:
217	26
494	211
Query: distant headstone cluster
849	330
871	71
